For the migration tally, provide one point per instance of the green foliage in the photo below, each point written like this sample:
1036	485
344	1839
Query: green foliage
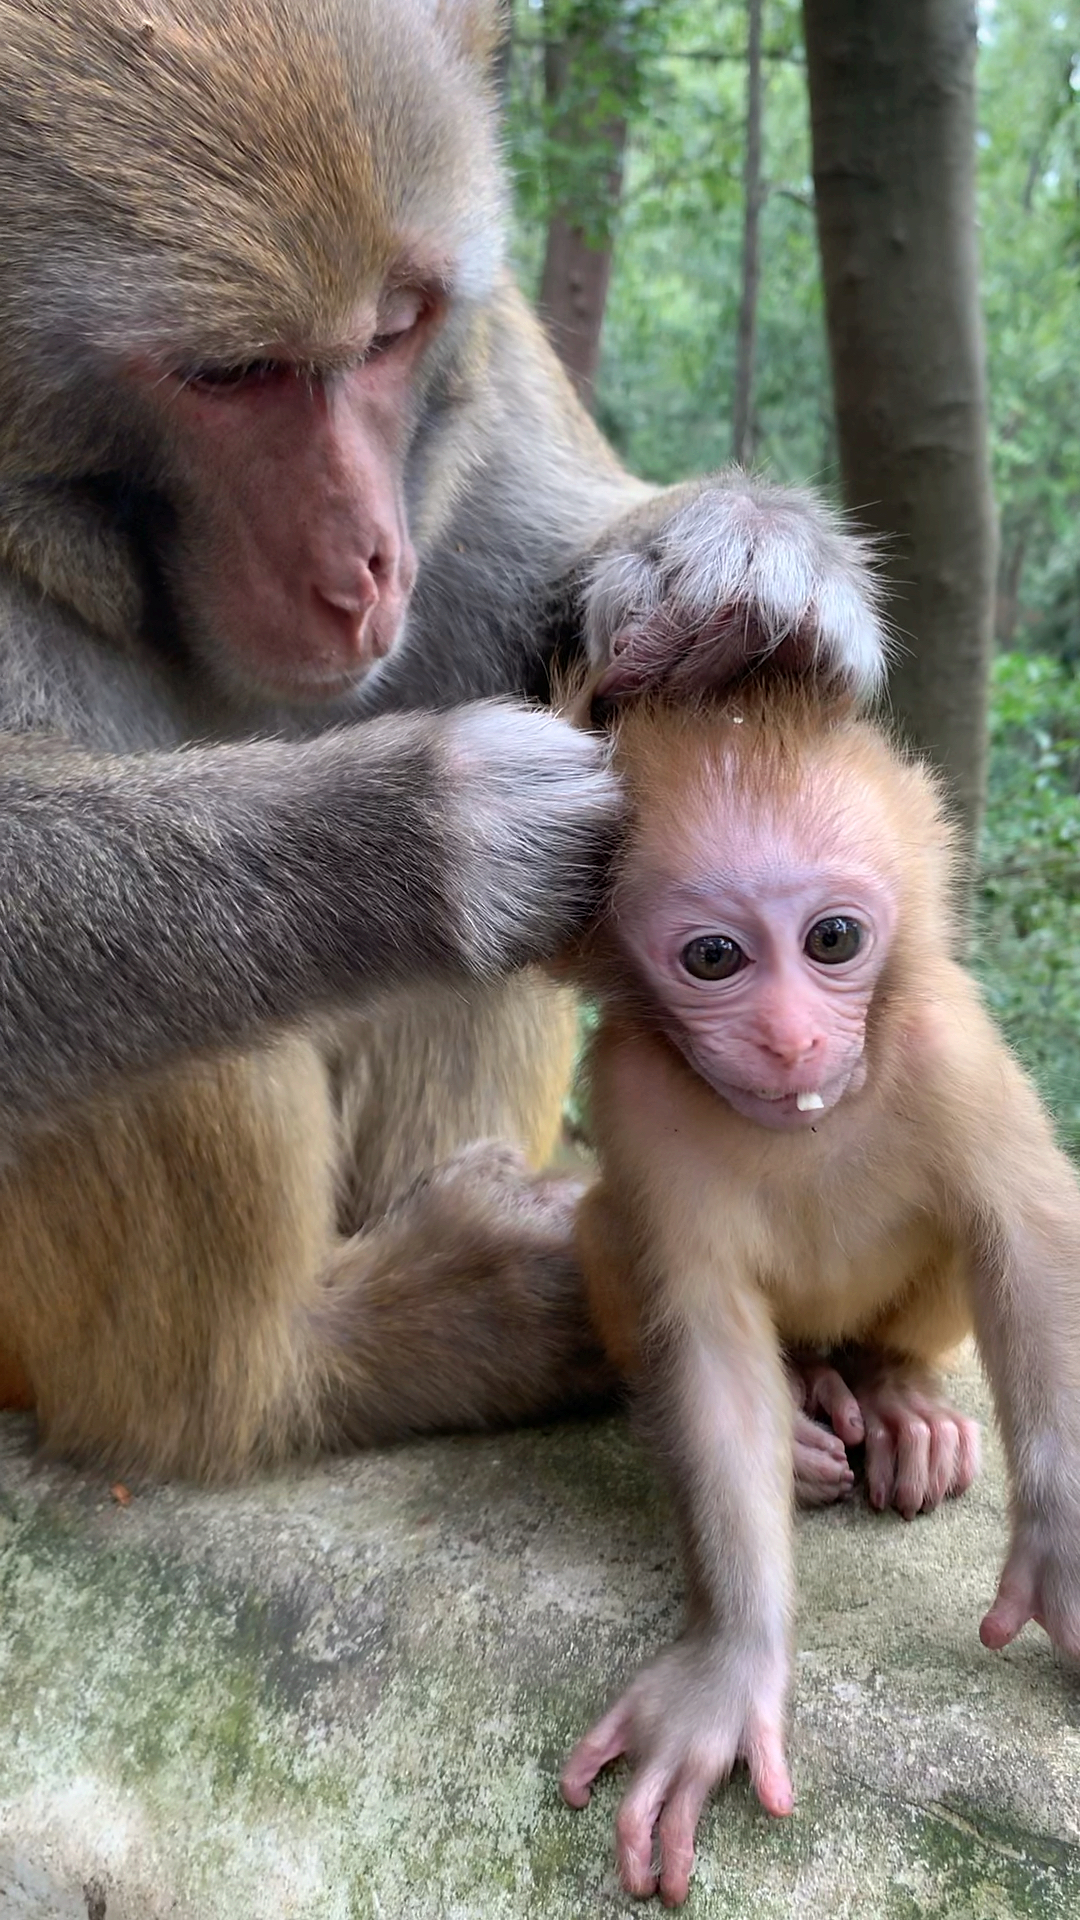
560	148
667	372
1028	943
1030	207
677	74
575	1111
668	368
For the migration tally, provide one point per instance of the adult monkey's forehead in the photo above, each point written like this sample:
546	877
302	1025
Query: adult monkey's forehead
281	160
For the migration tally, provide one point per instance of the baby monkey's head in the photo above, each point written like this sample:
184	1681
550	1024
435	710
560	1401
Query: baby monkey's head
784	859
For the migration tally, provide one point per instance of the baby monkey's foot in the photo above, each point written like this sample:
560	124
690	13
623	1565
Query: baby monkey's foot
919	1450
821	1467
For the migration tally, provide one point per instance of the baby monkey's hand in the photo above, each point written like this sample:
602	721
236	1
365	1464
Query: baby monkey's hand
684	1722
1040	1581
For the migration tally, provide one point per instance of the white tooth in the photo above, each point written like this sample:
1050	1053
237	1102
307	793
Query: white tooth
809	1102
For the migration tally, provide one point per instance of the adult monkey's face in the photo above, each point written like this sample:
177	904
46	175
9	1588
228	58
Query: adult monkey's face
253	240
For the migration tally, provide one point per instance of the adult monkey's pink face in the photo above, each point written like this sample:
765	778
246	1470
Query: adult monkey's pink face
295	541
264	319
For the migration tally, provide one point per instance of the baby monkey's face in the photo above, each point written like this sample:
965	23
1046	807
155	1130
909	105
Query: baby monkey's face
762	957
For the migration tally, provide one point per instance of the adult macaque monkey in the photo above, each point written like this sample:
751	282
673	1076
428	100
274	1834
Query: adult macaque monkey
281	451
809	1133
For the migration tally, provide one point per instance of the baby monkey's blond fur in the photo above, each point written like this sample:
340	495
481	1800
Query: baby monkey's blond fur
851	1231
931	1200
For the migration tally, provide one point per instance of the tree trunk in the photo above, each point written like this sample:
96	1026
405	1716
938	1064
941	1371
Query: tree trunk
893	116
742	431
577	257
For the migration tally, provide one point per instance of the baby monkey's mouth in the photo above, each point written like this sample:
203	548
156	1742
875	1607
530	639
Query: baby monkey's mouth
782	1109
791	1109
805	1102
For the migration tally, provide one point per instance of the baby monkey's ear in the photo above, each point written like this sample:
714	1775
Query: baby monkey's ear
630	664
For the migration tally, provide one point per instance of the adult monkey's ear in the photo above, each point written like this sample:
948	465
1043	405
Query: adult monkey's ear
474	26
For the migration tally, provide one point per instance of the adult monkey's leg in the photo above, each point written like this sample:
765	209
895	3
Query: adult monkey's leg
471	1244
180	1300
433	1072
155	1253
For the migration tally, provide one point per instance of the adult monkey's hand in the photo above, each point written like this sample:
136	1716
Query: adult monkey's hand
704	582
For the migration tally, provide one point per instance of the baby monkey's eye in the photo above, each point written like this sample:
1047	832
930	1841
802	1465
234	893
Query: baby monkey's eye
712	957
834	940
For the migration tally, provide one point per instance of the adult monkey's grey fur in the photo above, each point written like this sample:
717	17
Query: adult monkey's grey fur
199	200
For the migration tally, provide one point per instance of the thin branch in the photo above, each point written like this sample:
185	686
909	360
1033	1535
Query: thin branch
742	427
781	56
803	200
713	56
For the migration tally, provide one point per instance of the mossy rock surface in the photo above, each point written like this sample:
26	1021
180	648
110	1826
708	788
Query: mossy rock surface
344	1692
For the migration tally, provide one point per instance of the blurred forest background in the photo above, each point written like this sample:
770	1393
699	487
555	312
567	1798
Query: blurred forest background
665	224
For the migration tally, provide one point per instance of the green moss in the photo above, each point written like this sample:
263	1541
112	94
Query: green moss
984	1866
146	1664
345	1695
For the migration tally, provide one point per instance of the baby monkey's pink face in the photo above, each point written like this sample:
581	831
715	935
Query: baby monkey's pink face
763	954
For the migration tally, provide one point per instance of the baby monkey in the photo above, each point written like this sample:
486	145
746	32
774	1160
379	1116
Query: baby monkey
809	1135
